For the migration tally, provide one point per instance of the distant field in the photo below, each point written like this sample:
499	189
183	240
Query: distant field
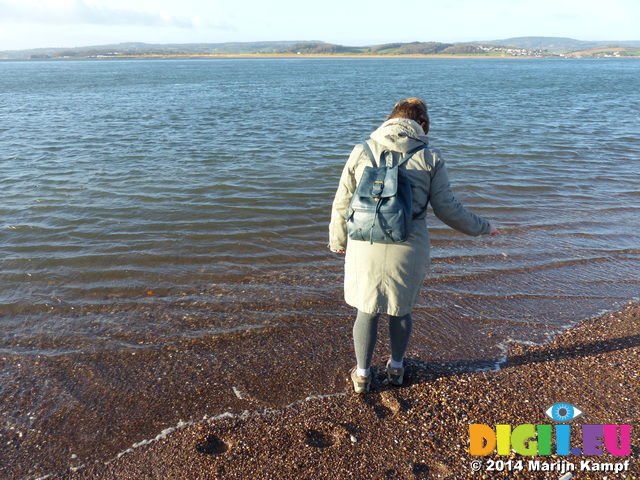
606	52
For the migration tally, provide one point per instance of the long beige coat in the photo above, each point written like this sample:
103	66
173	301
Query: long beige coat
386	278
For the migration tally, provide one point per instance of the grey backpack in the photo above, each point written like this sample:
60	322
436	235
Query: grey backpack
381	207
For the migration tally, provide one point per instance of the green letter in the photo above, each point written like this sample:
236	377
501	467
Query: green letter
544	439
523	439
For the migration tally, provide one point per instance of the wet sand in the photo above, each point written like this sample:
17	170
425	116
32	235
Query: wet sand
416	432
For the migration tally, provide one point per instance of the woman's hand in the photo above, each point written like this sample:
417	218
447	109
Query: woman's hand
494	230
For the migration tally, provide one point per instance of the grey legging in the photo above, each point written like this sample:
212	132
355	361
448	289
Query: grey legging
365	335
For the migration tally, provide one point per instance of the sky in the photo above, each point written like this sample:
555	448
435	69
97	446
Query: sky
76	23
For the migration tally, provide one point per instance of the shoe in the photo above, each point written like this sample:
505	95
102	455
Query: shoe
360	384
395	376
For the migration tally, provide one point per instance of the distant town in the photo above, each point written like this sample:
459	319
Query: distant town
532	47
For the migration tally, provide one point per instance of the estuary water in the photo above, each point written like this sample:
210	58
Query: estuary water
163	230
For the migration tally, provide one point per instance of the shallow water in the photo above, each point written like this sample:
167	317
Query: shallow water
164	229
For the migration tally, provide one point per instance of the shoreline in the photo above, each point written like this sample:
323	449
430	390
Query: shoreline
310	55
286	56
291	56
419	431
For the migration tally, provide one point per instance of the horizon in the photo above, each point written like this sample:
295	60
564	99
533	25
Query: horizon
63	47
33	24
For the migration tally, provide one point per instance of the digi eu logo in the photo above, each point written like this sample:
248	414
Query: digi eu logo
529	439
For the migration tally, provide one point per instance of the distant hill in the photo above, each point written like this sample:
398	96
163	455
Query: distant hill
519	46
561	44
413	48
423	48
137	48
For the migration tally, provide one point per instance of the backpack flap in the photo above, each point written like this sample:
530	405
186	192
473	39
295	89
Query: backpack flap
379	182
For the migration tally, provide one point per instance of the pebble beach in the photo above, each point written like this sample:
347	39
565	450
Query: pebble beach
419	431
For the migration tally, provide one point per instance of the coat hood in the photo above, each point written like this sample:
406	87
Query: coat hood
400	134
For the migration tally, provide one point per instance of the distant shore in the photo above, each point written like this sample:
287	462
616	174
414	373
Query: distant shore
420	431
311	56
527	47
271	56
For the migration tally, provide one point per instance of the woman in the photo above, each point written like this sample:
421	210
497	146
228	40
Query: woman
386	278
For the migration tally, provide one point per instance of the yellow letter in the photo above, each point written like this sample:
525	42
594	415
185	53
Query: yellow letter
503	434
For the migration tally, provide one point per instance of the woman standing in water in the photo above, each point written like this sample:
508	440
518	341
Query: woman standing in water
387	277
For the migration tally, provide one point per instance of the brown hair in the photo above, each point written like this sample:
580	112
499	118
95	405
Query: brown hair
412	108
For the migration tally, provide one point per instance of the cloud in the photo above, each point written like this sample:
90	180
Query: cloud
83	12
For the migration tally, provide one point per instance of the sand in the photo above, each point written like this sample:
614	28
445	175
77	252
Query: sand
419	431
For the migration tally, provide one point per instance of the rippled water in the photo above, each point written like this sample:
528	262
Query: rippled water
151	205
124	177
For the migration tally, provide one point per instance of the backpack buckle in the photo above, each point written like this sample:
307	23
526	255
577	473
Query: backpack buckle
377	187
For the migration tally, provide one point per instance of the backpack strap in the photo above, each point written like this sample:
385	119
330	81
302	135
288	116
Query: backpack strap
412	153
367	150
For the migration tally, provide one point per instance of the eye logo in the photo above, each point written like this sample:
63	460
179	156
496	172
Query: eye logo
563	412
